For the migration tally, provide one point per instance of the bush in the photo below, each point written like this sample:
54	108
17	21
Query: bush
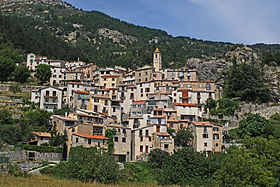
186	167
139	172
156	158
16	171
87	164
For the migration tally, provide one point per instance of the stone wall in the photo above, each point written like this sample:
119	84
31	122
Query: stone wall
24	88
25	155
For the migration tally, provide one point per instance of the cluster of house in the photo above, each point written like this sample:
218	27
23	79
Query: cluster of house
140	105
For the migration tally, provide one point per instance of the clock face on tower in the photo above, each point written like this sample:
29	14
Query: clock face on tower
156	60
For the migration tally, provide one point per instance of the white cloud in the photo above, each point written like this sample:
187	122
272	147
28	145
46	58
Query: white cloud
250	20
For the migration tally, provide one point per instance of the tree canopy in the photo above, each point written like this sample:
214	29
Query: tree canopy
246	82
43	73
21	74
183	137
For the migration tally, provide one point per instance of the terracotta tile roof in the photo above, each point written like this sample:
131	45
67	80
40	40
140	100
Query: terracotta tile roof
88	115
162	134
185	104
202	123
172	120
109	75
42	134
82	92
157	50
66	118
100	96
91	136
182	89
138	102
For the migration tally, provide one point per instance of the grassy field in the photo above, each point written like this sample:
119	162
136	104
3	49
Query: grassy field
41	181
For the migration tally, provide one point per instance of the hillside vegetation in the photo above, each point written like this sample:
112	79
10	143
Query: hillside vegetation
58	30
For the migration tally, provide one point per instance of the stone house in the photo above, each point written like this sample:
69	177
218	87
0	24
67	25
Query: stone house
89	141
42	137
207	136
49	98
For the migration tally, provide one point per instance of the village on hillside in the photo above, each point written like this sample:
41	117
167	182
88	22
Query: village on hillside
140	106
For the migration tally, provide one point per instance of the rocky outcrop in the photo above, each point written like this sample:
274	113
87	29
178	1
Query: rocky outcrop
115	36
9	3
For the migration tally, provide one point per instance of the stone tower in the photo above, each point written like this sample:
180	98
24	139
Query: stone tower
157	61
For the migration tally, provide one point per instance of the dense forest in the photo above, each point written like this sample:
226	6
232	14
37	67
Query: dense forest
67	33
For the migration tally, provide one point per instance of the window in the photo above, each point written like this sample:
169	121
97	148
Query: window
182	85
208	87
54	93
217	144
124	131
139	113
123	139
147	132
174	94
140	133
166	146
174	100
204	135
189	86
216	136
114	109
205	144
139	74
77	139
200	85
133	106
150	139
141	139
89	141
205	129
147	149
141	148
133	113
98	144
116	139
42	138
215	129
113	79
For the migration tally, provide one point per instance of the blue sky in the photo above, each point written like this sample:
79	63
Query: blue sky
237	21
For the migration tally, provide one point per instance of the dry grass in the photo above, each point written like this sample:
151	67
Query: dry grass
42	181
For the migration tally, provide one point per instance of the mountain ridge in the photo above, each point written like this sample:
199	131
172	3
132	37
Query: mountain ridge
104	40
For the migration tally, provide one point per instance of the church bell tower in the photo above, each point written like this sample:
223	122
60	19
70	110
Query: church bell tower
157	60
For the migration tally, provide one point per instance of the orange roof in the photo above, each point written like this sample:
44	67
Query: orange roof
42	134
82	92
64	118
162	134
110	75
157	50
172	120
138	102
185	104
91	136
181	90
202	123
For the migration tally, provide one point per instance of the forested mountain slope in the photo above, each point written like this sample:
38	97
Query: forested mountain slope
58	30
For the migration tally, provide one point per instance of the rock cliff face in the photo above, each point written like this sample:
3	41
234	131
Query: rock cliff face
218	68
